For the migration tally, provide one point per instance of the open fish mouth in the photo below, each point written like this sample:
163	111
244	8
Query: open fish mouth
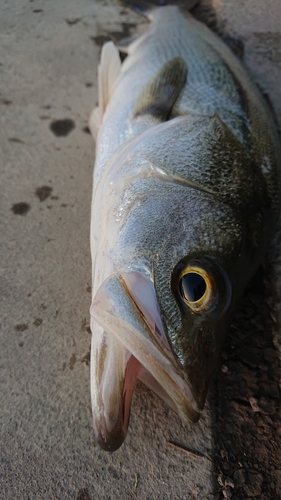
129	343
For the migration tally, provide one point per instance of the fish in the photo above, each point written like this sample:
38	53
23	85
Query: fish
186	198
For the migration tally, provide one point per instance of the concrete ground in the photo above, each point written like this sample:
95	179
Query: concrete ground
48	63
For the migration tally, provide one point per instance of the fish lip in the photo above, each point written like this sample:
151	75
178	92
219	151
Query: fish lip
112	388
110	441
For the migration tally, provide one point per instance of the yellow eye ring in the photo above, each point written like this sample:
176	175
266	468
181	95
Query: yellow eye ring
196	288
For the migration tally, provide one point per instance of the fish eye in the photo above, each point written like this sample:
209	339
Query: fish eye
201	285
192	287
197	288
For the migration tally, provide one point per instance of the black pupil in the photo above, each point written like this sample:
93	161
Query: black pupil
192	287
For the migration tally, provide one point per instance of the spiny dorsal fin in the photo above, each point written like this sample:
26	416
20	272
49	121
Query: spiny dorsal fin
160	94
108	72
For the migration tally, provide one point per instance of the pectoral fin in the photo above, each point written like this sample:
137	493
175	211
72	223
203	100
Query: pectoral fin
160	94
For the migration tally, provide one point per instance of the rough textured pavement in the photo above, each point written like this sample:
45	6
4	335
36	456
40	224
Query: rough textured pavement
48	60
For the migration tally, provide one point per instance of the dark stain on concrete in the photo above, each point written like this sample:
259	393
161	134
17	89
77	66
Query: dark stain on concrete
72	362
85	326
83	494
20	208
15	139
6	102
86	358
21	327
37	322
62	128
86	130
43	192
73	20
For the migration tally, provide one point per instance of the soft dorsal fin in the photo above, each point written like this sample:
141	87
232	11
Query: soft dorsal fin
108	72
160	94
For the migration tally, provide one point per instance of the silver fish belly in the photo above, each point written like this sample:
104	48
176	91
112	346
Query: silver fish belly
186	195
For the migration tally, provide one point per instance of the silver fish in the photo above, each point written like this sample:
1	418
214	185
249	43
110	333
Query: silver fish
186	195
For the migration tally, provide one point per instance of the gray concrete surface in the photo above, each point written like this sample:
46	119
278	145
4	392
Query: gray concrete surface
48	64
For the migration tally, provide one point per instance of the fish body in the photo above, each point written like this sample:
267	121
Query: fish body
186	196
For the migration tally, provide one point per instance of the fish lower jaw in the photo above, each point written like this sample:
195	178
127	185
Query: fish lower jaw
112	420
182	403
